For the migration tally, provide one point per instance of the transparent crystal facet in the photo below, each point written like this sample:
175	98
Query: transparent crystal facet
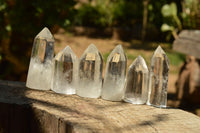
158	79
65	72
40	67
137	82
90	73
114	79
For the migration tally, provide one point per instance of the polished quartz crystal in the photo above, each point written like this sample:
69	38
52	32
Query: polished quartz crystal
40	68
90	73
114	79
158	79
65	72
137	82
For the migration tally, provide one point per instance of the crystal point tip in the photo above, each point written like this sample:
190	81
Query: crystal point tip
139	57
139	60
159	50
65	52
92	44
45	33
91	48
67	49
119	46
118	49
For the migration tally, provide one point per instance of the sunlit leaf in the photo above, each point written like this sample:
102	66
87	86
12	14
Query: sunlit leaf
8	28
166	10
169	10
173	8
165	27
3	6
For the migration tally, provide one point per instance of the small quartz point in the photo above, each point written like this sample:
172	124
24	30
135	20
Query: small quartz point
137	82
158	79
65	72
114	80
40	67
90	73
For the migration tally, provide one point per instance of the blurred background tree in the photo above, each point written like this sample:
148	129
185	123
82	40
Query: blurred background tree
106	13
191	13
172	22
190	16
151	20
20	21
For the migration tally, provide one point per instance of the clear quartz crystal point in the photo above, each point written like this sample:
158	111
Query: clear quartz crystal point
90	73
65	72
114	79
40	67
158	79
137	82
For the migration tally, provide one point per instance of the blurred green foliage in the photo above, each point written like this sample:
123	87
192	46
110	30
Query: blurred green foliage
97	15
106	13
172	18
175	58
105	56
169	11
20	21
191	9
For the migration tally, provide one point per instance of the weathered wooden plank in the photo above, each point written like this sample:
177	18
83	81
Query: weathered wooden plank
193	35
51	112
187	47
14	118
43	122
188	43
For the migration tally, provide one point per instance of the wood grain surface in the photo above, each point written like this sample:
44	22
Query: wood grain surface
188	42
26	110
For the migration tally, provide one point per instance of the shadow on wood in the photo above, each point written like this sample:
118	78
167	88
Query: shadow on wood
25	110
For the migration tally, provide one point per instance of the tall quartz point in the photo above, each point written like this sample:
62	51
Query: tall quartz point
137	82
114	80
40	68
90	73
65	72
158	79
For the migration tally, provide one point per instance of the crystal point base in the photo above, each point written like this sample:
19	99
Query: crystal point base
137	82
158	79
114	80
40	67
90	73
134	100
39	75
65	72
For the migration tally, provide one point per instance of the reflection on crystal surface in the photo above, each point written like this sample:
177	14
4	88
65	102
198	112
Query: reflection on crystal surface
65	72
114	80
137	82
158	79
90	73
40	68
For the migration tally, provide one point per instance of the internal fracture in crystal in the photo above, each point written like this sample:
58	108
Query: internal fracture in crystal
114	79
158	79
90	73
136	89
65	72
40	67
